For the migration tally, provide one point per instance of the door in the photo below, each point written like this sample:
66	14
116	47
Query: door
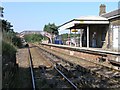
116	38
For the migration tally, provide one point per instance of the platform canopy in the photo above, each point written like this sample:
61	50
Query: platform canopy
84	20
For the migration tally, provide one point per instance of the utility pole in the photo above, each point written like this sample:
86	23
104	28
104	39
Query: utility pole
1	16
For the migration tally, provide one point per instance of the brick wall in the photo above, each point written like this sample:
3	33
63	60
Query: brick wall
78	54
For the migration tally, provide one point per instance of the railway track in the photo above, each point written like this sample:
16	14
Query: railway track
92	75
47	77
66	74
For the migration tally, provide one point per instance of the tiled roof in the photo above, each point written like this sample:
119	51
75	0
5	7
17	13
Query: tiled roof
111	14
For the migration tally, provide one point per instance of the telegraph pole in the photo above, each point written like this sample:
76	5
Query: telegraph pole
1	16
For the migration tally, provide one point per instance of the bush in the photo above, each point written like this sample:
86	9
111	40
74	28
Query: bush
33	38
8	65
17	41
8	52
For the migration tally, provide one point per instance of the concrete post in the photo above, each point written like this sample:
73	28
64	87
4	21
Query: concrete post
87	36
81	32
70	37
75	39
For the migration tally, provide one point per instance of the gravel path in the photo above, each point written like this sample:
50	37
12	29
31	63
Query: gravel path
24	78
38	59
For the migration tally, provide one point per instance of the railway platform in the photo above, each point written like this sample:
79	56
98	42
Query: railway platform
96	55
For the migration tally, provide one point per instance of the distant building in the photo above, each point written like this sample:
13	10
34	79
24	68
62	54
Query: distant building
30	32
21	34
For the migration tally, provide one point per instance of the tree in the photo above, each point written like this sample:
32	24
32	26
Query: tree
17	41
6	26
51	28
33	38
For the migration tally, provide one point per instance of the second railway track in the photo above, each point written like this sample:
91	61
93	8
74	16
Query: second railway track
105	76
78	76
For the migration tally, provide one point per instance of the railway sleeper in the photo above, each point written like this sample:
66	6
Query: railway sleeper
82	69
67	72
102	59
42	68
68	68
100	79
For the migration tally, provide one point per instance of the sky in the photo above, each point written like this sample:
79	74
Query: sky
34	15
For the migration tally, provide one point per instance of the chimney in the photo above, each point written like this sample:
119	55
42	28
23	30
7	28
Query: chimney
102	9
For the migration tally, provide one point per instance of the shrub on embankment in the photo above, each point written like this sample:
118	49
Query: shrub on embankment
10	41
17	41
8	52
9	65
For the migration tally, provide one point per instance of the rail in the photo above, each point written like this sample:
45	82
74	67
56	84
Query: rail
67	78
31	70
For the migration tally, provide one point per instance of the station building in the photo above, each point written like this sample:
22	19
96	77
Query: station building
101	31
